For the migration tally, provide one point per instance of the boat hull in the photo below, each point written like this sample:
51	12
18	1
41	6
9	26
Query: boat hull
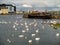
41	17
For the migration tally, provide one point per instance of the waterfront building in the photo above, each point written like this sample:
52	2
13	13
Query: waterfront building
7	8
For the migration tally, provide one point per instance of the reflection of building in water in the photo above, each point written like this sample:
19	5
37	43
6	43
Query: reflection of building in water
7	8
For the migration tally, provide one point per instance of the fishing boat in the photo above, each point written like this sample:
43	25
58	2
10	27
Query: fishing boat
42	15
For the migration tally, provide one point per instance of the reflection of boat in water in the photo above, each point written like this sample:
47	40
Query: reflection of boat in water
42	15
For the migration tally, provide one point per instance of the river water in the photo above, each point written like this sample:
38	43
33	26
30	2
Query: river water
15	30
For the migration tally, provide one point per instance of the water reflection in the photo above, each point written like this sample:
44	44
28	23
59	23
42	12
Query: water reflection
30	41
57	34
8	40
21	36
23	31
21	24
15	28
37	30
37	39
33	35
25	37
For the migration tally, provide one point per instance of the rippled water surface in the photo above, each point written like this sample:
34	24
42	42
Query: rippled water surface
15	30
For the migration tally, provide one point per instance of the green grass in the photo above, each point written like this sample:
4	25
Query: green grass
57	25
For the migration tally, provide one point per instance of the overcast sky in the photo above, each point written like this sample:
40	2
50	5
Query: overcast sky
36	3
33	3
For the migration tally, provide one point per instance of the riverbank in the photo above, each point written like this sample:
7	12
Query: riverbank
50	15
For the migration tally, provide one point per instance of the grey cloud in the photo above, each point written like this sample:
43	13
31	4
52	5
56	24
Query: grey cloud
36	3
